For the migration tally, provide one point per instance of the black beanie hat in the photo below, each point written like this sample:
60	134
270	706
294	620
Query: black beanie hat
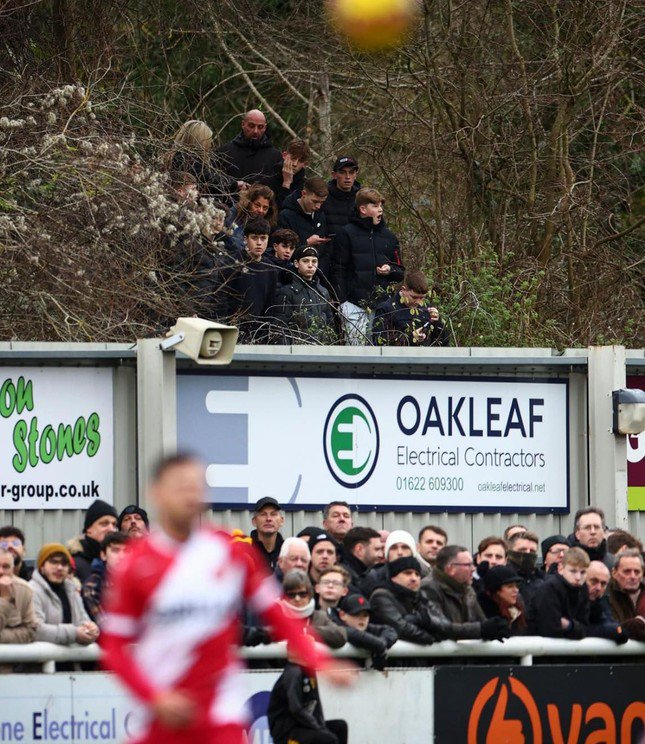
403	564
96	511
133	509
497	576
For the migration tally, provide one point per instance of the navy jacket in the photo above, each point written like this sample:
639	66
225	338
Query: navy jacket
254	161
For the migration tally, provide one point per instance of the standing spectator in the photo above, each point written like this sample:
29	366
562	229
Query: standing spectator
560	606
362	550
100	519
431	540
366	259
134	521
295	712
13	540
451	601
332	586
522	553
303	306
337	520
353	613
291	176
59	609
94	587
589	534
403	318
500	597
251	283
553	550
268	520
298	602
250	157
323	555
513	530
17	618
308	533
192	153
491	551
601	622
397	602
399	544
303	214
617	541
343	188
294	553
283	244
256	201
626	593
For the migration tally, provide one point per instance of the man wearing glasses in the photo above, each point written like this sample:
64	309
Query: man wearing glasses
451	601
589	535
553	550
13	540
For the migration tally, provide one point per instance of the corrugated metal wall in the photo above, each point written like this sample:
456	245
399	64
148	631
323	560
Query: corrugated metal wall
44	526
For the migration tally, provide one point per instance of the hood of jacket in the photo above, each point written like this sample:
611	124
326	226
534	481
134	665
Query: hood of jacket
366	223
84	546
252	144
292	203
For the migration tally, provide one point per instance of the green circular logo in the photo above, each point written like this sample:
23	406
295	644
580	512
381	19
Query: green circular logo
351	441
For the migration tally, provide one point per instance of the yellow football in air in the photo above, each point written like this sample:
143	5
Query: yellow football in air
373	25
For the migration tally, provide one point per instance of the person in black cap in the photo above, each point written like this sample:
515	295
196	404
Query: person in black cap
134	521
397	602
304	305
553	550
100	519
323	555
268	520
501	596
353	613
343	187
307	533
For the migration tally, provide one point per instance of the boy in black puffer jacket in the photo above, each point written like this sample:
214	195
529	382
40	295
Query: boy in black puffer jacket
353	613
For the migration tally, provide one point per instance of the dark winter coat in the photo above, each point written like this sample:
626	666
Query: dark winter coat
357	571
294	703
305	225
601	622
531	581
271	558
339	206
625	612
249	287
516	617
84	550
304	306
453	606
401	609
376	639
394	324
359	248
198	272
253	161
556	599
92	589
595	554
375	577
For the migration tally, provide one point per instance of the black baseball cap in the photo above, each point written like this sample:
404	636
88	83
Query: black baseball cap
352	604
321	537
265	501
345	161
304	251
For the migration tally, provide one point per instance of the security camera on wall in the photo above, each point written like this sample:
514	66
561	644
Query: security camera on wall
203	341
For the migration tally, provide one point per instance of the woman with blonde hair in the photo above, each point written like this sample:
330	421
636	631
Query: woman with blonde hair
193	153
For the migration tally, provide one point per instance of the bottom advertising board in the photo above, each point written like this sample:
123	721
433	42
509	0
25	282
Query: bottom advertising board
540	704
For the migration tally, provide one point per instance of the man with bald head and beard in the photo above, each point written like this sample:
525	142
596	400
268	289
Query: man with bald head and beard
250	156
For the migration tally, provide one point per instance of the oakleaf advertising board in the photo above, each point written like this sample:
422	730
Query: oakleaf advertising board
636	459
56	437
410	444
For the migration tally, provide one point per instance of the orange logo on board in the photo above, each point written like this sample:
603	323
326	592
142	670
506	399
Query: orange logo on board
503	729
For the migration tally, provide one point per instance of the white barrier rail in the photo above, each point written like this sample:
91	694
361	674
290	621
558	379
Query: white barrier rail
523	648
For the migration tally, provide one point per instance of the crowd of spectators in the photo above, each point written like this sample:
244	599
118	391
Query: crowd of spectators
294	258
351	583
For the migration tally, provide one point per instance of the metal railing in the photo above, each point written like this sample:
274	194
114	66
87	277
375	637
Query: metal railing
523	648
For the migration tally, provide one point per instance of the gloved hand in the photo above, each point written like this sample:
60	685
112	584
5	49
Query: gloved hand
620	635
495	629
379	661
390	636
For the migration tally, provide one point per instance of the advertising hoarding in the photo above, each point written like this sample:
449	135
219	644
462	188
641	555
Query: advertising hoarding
478	444
636	459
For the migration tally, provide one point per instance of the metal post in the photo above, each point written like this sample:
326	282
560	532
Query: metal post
607	452
526	660
157	409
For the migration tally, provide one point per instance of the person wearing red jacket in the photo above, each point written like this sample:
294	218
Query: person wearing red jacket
172	618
